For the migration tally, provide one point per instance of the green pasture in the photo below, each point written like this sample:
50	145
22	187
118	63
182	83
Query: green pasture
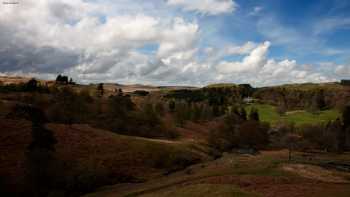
269	114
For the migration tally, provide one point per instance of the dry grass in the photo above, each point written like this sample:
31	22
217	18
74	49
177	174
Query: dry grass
83	148
314	172
259	175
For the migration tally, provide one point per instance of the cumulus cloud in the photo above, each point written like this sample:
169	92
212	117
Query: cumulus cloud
255	60
179	38
208	7
343	70
241	50
97	42
257	69
71	37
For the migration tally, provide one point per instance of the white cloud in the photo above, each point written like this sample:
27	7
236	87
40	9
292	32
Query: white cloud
255	60
94	42
105	49
209	7
241	50
330	24
343	70
180	37
257	69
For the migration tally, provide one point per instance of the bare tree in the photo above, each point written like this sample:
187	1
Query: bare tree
291	140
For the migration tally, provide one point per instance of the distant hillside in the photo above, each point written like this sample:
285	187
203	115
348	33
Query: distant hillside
295	96
310	86
18	79
109	87
221	85
134	87
299	96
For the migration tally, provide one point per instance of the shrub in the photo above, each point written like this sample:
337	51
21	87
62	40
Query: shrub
61	79
291	141
253	134
31	85
159	108
181	113
171	105
281	109
141	93
278	132
100	90
346	116
235	132
254	115
329	137
69	107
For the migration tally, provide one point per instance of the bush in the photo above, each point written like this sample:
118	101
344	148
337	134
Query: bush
100	90
61	79
278	132
171	105
254	114
181	113
281	109
235	132
253	134
218	138
291	141
324	137
159	108
141	93
69	107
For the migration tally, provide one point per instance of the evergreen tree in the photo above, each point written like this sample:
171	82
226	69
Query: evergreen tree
171	105
346	117
62	79
152	118
197	112
342	133
243	113
100	89
31	85
254	115
71	81
40	155
180	114
318	102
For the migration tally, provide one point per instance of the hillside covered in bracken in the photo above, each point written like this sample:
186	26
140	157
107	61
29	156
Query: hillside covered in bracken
174	98
67	139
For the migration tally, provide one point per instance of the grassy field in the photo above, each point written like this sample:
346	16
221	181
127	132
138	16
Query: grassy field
269	114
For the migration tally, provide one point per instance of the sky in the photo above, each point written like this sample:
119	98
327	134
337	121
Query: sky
177	42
